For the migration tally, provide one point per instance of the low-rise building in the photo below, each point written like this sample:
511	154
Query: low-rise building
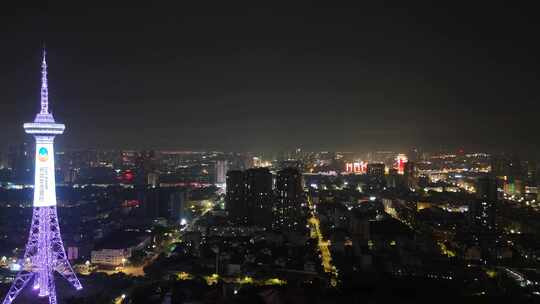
110	257
117	247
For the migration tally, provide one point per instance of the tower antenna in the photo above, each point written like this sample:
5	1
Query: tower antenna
44	84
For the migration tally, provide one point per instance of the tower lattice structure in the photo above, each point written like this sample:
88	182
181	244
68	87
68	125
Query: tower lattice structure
45	253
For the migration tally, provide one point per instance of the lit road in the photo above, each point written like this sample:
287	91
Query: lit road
323	246
518	277
215	278
136	271
119	300
207	206
200	208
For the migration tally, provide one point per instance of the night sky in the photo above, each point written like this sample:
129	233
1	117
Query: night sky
230	76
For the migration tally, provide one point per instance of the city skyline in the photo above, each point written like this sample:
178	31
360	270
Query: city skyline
266	79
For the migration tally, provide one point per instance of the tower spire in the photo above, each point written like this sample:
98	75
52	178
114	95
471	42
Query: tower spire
44	85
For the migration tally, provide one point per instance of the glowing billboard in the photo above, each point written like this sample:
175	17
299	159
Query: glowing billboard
401	160
45	187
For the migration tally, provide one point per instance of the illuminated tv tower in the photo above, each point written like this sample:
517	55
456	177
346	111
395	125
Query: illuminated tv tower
45	252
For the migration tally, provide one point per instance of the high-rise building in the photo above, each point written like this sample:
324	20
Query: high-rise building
163	203
511	172
506	166
177	205
20	160
410	174
152	179
410	169
532	173
401	160
45	253
145	163
375	174
259	195
221	168
376	170
414	155
288	211
249	196
482	211
393	179
290	163
235	199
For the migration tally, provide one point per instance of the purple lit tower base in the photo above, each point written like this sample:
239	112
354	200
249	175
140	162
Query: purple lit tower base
44	254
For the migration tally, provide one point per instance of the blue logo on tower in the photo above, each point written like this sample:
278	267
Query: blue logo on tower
43	155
